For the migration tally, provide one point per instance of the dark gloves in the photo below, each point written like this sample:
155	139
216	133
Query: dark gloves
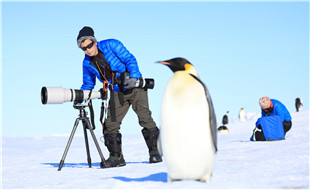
130	83
104	94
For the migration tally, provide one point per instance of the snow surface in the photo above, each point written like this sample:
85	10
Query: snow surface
32	162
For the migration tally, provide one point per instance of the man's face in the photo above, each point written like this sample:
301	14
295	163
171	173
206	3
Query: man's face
89	47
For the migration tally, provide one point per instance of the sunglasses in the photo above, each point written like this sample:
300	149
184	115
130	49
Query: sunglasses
88	46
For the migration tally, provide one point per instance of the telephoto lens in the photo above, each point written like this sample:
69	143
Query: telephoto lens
147	83
59	95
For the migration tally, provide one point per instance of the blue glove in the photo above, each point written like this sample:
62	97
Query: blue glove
130	83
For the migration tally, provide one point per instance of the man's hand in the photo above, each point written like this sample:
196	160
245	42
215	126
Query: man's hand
130	83
104	94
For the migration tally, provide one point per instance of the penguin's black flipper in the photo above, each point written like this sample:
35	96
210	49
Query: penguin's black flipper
212	116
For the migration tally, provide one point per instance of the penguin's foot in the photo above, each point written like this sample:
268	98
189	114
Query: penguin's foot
172	180
206	178
155	159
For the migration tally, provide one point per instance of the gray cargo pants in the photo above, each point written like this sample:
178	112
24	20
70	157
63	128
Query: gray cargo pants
139	101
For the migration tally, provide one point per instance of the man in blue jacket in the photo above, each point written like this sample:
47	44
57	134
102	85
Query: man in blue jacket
273	107
107	60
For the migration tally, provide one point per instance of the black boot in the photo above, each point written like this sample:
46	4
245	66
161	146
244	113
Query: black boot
114	144
150	137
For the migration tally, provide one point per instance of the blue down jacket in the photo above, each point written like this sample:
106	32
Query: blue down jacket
279	109
119	59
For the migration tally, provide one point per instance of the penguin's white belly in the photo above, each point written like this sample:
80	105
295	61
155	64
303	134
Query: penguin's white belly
186	138
242	116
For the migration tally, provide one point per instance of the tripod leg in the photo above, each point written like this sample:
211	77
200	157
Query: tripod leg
62	161
86	143
102	164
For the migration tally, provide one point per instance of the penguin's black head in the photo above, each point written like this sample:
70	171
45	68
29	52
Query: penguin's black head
176	64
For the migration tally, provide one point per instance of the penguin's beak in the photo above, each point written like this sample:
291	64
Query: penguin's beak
163	62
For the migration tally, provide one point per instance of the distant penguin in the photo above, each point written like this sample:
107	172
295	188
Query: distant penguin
298	104
223	129
242	115
225	118
188	124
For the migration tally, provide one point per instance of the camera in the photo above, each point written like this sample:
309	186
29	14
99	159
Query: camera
146	83
59	95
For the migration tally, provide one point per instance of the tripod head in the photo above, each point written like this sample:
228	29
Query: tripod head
80	106
83	113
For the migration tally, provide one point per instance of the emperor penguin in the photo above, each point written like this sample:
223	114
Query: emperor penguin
225	118
298	104
188	124
242	115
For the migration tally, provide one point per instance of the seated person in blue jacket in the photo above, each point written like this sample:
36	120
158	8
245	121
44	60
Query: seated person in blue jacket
107	60
273	107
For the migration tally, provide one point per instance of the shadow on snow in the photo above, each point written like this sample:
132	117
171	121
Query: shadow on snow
159	177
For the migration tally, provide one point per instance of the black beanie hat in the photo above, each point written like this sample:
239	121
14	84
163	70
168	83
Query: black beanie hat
85	33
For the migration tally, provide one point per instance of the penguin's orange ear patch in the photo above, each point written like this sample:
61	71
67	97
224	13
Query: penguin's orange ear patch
187	66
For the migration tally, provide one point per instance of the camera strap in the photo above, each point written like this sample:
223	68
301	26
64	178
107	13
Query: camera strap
104	111
121	89
92	115
91	110
111	74
112	102
104	105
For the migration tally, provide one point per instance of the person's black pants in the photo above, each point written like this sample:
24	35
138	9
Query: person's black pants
287	126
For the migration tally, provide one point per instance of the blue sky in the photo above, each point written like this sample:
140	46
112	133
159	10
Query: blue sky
241	50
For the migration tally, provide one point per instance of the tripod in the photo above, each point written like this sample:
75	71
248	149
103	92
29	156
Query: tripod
86	125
